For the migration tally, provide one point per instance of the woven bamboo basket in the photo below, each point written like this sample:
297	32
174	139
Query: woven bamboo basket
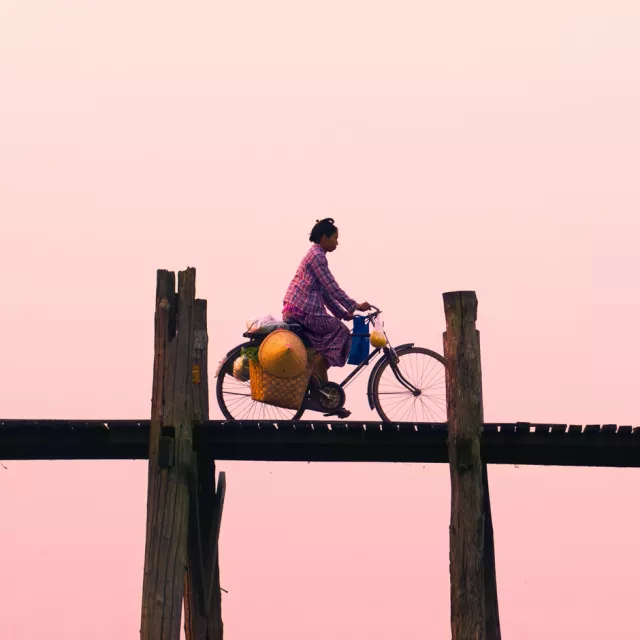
286	393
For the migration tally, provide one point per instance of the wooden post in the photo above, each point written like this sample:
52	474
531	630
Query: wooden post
203	616
170	458
469	491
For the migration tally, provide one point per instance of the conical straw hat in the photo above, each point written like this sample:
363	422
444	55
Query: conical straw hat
283	354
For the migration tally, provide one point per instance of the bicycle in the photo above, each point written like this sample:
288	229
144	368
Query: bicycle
414	393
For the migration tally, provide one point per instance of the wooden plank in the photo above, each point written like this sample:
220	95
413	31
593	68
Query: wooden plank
492	615
151	626
168	489
592	429
574	429
609	428
523	427
129	440
194	602
212	566
468	490
202	614
558	428
268	427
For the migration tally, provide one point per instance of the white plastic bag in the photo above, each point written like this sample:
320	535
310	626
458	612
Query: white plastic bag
377	338
257	322
241	368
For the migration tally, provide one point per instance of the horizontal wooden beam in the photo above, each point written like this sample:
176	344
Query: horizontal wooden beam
501	443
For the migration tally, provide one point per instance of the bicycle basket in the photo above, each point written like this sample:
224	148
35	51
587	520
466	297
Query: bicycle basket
286	393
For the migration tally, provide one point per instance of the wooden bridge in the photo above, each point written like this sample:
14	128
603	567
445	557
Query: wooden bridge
518	443
185	500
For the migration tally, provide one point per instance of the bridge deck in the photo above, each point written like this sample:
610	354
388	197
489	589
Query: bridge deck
502	443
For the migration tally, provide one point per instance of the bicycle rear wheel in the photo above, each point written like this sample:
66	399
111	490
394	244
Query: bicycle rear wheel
425	370
235	402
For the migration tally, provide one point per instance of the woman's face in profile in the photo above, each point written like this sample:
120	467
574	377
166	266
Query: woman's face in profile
329	243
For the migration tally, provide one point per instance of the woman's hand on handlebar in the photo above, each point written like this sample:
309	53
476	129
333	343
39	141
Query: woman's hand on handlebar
364	306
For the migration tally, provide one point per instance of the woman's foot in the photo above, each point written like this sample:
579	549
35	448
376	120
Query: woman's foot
340	413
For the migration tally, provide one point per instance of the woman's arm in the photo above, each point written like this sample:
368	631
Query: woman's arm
331	290
334	307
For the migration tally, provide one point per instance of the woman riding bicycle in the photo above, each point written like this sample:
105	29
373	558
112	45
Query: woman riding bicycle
313	290
406	382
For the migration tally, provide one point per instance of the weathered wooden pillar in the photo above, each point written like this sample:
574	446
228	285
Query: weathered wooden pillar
470	515
170	458
202	603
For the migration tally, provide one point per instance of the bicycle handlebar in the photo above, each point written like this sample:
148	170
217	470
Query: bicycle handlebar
374	313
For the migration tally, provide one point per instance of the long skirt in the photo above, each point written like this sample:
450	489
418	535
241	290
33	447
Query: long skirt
328	336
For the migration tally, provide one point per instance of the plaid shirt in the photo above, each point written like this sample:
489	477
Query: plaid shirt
313	287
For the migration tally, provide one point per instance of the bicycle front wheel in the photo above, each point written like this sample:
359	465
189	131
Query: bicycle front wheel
425	370
235	401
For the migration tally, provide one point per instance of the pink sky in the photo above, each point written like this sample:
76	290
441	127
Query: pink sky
458	147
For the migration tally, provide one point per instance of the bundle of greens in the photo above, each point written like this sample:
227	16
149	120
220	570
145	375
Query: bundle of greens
249	353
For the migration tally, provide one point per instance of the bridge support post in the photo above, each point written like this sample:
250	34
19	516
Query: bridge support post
474	603
170	458
202	602
179	487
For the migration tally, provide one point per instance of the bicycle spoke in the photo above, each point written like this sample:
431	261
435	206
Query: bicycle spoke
429	413
436	376
439	401
393	393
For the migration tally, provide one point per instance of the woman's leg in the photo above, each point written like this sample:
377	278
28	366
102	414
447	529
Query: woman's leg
329	337
320	368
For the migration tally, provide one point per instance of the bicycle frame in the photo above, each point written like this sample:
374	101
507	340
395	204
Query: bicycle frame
360	367
390	354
